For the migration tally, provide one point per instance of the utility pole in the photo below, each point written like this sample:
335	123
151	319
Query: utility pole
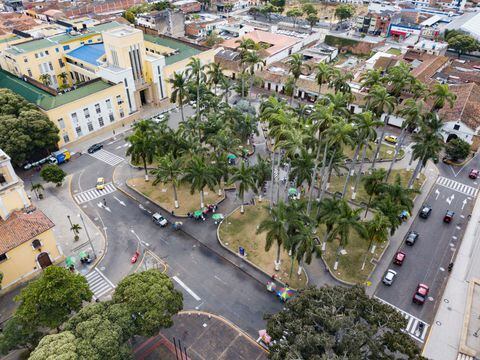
88	236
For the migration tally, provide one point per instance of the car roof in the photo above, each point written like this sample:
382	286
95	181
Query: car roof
400	254
100	179
423	285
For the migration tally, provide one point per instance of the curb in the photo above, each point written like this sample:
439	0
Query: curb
334	276
226	321
246	260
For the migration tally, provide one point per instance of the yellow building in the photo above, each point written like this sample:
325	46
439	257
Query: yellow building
27	242
96	76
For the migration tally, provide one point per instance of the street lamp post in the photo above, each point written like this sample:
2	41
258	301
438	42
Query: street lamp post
88	236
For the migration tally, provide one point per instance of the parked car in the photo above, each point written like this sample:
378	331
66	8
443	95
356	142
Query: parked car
389	277
399	258
448	216
159	220
474	173
411	237
421	293
94	148
100	183
425	211
392	139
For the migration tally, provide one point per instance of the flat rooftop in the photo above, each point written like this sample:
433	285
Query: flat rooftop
45	100
89	53
184	50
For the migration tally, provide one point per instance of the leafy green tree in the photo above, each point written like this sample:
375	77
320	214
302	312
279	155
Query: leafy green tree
18	333
169	170
344	12
377	232
199	175
463	43
213	39
312	20
196	75
245	178
262	174
294	14
49	300
56	346
372	184
358	327
457	149
296	67
441	95
53	174
143	143
129	16
151	299
179	91
309	9
46	79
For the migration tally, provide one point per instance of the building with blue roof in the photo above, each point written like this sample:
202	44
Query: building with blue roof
92	54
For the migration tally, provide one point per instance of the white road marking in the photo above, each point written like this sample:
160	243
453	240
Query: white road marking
412	325
120	201
107	157
99	283
450	199
464	203
457	186
187	289
437	192
100	205
93	193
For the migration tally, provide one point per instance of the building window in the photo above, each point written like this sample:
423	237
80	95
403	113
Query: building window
86	113
90	126
60	62
66	47
46	52
61	123
25	59
74	117
78	129
3	257
2	179
66	139
126	83
36	244
456	127
29	72
122	114
111	117
36	55
100	121
119	100
109	103
97	108
50	66
56	49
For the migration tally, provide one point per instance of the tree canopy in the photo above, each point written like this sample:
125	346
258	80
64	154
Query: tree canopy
457	149
25	132
344	12
338	323
462	43
53	174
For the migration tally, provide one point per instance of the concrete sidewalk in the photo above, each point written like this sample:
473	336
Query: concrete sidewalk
445	336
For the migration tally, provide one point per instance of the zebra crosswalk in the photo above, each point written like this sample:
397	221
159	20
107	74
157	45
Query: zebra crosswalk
457	186
92	194
99	283
413	326
107	157
461	356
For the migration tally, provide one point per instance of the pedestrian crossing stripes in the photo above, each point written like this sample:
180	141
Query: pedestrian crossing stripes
413	326
461	356
107	157
99	283
275	173
92	194
457	186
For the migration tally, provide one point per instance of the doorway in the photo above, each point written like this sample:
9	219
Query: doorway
143	97
44	260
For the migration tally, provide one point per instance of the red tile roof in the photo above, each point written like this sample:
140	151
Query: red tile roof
466	108
21	227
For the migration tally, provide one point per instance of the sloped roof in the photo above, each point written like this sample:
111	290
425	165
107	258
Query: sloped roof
467	107
21	227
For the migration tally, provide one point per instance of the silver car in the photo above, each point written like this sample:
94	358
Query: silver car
389	277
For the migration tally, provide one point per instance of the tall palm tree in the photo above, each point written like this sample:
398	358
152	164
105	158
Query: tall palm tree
46	79
328	210
399	78
37	188
261	174
143	143
322	76
197	76
380	101
221	170
296	68
302	168
226	85
63	76
246	45
346	222
276	227
252	59
215	75
199	175
244	176
441	95
169	170
372	184
371	78
377	232
179	91
75	228
339	81
303	247
387	206
401	195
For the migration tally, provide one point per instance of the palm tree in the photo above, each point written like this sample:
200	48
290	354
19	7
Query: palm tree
276	226
303	247
296	68
244	176
215	75
380	101
75	228
399	77
323	74
328	210
302	166
37	188
401	195
246	45
199	175
180	91
221	170
371	78
197	76
441	95
339	81
346	221
143	143
372	184
226	85
169	170
252	59
261	174
46	79
377	232
63	76
387	206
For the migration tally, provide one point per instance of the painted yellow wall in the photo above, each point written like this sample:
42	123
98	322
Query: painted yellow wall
120	40
22	261
12	200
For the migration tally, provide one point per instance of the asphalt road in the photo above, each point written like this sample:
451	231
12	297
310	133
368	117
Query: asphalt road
427	260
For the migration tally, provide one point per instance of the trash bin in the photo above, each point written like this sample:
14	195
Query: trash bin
241	251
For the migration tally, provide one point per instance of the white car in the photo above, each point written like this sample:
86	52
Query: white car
159	220
389	277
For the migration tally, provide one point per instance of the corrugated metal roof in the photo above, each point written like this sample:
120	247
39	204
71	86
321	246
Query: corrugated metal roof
184	50
89	53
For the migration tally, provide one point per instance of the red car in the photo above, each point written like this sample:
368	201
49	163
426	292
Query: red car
134	258
448	216
420	294
399	258
474	174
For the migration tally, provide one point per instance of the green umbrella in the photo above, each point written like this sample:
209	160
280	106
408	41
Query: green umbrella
231	157
198	213
292	191
217	216
83	254
70	261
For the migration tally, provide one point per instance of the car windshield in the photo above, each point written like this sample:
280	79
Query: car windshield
419	297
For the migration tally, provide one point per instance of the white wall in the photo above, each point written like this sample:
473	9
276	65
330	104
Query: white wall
119	76
463	132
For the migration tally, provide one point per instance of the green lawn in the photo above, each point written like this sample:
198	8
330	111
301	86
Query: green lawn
386	152
337	182
394	51
240	230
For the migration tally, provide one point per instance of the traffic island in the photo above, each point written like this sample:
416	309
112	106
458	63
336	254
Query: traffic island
162	195
385	154
239	231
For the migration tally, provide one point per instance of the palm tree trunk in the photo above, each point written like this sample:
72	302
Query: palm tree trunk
242	209
366	254
417	170
300	267
202	204
312	184
198	98
175	197
359	174
181	111
395	154
251	87
377	150
324	168
243	83
145	168
351	170
325	180
278	261
278	182
273	180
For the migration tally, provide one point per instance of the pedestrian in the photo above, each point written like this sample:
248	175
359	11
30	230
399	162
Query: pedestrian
273	277
113	132
173	212
104	202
